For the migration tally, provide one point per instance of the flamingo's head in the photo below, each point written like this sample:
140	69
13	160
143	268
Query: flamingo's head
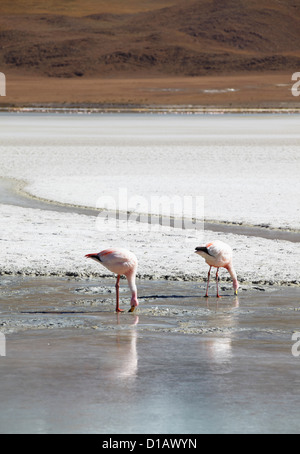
134	302
95	257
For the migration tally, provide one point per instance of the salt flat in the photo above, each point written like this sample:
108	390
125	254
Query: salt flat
245	167
52	243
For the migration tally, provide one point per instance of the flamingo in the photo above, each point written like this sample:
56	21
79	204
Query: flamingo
121	262
219	255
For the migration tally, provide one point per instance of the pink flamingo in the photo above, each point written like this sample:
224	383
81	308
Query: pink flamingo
121	262
219	255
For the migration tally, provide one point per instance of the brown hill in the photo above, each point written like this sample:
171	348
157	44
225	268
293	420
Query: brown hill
80	8
184	38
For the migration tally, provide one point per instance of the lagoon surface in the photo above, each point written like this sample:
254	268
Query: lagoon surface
181	364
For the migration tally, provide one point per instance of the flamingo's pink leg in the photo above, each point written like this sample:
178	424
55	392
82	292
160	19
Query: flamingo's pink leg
217	276
118	295
208	278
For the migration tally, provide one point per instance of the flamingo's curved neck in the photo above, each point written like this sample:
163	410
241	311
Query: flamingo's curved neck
233	275
133	288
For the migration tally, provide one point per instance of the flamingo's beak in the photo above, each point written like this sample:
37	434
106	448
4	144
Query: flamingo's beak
131	309
93	257
236	292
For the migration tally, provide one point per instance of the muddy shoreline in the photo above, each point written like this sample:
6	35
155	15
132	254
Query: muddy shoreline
29	303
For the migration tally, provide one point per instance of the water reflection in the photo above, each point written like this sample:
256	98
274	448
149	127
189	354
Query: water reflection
127	365
220	350
220	302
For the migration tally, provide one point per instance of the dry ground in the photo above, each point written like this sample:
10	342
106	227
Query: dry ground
254	90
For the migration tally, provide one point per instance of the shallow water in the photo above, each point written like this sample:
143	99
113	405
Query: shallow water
181	364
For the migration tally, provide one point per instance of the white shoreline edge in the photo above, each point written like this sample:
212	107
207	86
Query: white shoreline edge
50	243
155	109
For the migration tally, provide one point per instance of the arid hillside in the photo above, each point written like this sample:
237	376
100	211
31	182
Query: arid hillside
115	39
189	38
